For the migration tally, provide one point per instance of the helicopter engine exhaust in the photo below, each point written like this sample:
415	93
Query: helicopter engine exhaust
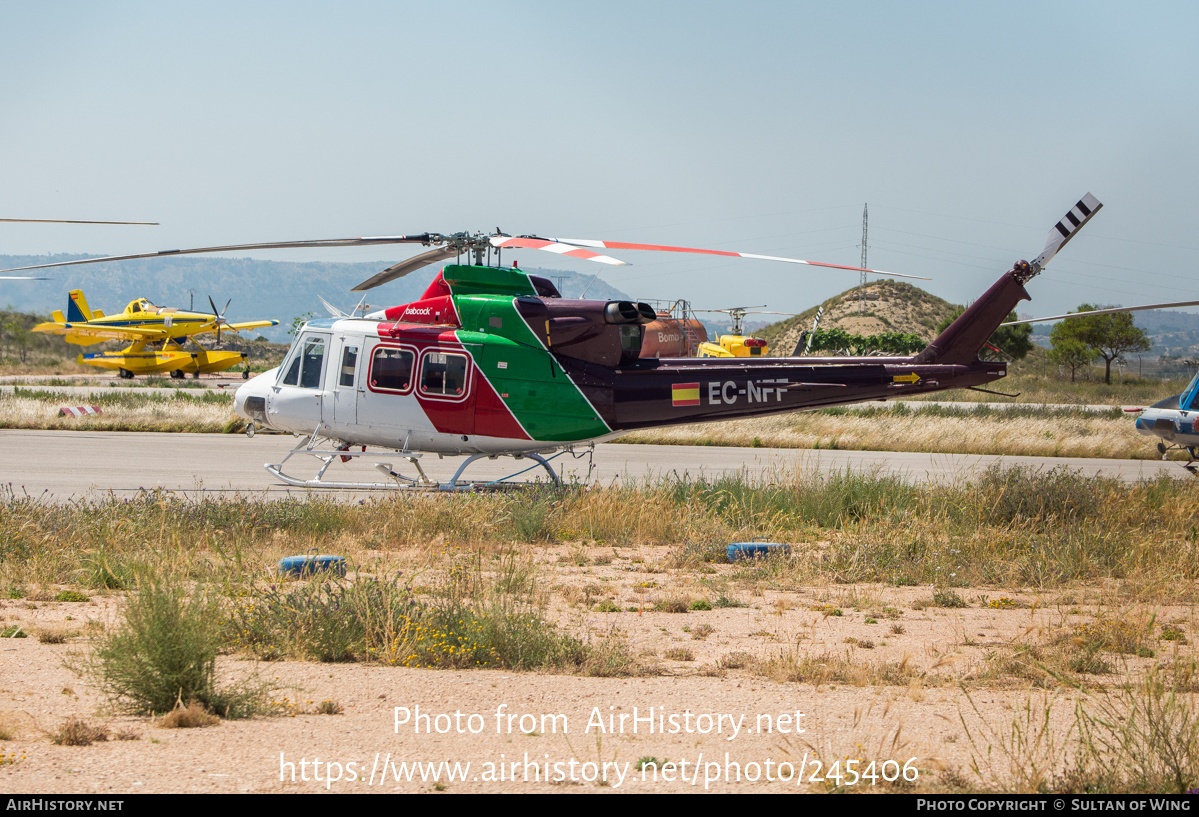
608	333
621	312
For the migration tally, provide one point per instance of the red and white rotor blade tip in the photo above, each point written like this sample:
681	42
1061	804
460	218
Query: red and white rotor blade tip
554	246
574	247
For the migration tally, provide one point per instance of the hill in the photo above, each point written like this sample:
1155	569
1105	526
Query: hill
880	306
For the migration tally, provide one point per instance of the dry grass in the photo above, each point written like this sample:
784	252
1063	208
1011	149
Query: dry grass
192	716
1009	433
1143	739
54	634
136	412
798	666
79	733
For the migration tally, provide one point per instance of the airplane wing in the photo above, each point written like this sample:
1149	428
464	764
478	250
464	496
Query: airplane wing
249	325
84	330
213	327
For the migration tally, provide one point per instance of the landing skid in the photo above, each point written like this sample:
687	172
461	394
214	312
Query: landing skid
1192	451
319	447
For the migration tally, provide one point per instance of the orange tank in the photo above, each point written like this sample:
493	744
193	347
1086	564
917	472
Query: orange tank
672	337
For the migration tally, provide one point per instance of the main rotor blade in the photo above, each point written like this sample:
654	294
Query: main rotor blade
369	241
21	278
573	247
74	221
404	267
554	246
1064	230
1103	312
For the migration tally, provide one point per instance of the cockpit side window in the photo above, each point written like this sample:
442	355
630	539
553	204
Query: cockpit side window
291	376
306	364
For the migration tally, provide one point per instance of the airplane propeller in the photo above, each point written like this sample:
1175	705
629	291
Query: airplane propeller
219	318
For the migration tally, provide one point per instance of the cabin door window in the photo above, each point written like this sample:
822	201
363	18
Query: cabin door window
443	374
349	363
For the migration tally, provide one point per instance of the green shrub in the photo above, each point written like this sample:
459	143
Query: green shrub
381	620
948	598
164	652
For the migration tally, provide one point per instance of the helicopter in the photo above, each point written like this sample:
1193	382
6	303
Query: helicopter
144	324
491	361
736	343
1175	421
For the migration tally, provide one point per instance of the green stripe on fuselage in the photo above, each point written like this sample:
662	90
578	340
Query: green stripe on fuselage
544	400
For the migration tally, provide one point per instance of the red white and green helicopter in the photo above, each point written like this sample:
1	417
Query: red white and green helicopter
492	362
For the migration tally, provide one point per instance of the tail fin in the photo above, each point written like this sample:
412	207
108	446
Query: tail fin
961	342
77	311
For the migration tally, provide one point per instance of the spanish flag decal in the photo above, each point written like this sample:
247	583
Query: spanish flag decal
684	394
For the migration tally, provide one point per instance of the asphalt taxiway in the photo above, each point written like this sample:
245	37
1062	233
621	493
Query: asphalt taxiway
67	464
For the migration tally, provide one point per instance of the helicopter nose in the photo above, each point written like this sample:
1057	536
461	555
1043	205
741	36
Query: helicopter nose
249	400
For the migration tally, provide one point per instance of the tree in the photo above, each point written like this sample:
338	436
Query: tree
297	323
1013	341
1070	352
1108	336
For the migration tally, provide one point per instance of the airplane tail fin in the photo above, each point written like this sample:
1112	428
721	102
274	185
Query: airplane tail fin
961	342
77	309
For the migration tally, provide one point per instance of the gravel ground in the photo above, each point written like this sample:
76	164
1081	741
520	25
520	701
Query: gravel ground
713	712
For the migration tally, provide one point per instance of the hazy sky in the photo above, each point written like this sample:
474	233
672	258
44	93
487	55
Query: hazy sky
762	127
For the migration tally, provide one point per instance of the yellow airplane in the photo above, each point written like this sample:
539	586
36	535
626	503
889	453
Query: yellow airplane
148	325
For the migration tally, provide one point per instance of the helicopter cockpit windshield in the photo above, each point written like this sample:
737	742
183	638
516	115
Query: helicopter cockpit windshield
1190	396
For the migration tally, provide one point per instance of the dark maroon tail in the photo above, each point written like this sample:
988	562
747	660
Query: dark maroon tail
961	342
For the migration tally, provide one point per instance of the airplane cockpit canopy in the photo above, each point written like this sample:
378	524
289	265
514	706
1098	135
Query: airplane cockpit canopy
141	305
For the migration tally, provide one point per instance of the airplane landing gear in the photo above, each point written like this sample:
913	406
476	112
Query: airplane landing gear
124	374
177	374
